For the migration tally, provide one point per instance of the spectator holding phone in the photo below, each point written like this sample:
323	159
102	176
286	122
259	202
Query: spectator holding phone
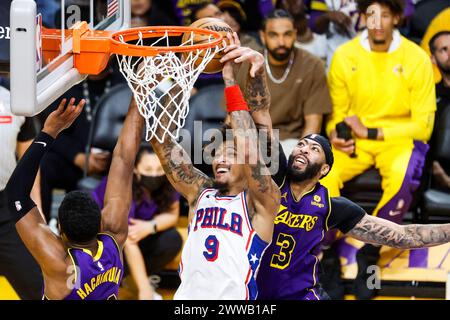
382	87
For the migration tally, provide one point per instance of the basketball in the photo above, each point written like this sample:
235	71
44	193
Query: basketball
212	24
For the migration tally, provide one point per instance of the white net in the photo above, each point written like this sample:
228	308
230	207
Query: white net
162	84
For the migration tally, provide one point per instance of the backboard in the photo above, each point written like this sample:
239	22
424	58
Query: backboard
41	53
5	35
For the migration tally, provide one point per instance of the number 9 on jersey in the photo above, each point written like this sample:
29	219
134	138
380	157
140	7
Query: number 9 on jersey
212	248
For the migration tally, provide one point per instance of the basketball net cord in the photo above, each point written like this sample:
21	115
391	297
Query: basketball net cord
162	84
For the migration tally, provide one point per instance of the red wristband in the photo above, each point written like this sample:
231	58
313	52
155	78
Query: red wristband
234	99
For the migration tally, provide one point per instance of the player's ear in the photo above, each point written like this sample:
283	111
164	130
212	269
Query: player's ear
396	19
61	233
433	60
325	169
262	37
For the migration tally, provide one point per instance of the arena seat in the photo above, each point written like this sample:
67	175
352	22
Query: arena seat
205	106
364	189
424	13
109	115
435	203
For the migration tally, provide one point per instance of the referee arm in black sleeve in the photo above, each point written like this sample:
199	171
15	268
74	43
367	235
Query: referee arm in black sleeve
45	247
352	220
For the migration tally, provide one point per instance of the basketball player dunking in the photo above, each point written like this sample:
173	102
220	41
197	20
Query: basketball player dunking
85	263
231	216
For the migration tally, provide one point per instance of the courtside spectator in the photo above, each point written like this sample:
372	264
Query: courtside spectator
340	21
440	23
440	50
382	87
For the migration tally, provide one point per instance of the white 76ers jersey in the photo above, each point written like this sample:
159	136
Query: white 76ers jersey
221	255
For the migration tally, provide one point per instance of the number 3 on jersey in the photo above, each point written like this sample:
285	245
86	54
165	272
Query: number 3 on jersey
212	248
286	242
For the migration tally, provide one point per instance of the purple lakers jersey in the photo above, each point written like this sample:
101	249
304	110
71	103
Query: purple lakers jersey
289	267
97	277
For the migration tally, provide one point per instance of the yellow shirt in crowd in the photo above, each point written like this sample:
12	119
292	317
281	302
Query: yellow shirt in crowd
440	23
391	90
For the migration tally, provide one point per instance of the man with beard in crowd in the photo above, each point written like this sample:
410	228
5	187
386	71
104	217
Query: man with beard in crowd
440	56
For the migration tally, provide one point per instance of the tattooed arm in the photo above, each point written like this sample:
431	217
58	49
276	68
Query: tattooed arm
187	180
257	95
180	171
375	230
263	193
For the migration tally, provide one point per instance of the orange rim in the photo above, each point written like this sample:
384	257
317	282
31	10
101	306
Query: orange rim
127	49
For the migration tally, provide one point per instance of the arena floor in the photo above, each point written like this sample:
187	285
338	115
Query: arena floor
7	293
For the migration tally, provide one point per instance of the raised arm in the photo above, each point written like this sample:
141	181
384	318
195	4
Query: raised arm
184	177
118	194
264	194
379	231
46	247
257	96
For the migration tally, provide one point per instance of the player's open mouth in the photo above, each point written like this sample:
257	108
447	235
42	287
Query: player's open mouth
222	169
301	160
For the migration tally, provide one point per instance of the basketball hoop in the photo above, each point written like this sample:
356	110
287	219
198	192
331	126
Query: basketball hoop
160	75
162	83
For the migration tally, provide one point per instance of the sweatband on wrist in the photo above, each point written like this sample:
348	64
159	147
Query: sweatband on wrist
154	228
21	181
372	133
235	100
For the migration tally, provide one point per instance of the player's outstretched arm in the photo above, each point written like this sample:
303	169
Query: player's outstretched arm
45	246
264	193
257	95
118	194
184	177
256	91
379	231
